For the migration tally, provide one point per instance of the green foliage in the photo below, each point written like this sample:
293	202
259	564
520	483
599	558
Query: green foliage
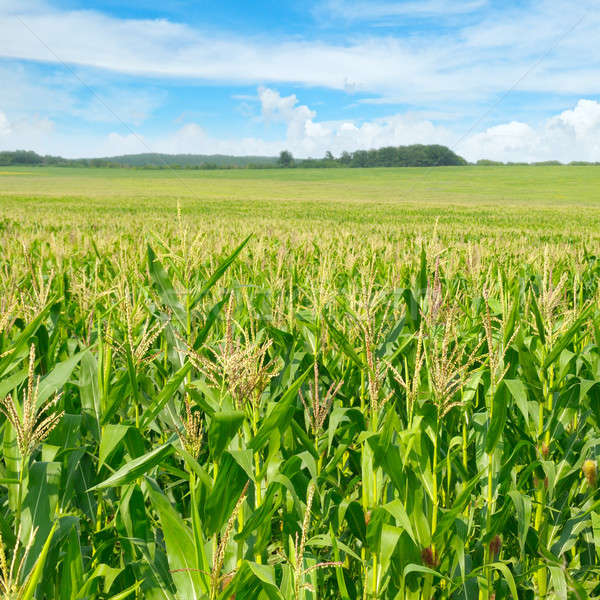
285	159
343	405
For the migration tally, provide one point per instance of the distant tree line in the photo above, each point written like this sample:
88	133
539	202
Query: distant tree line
140	161
183	161
416	155
30	158
485	162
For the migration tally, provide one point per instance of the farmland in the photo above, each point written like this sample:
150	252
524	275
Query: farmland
300	384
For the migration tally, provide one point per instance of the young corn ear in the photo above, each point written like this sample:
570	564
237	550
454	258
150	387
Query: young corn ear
590	472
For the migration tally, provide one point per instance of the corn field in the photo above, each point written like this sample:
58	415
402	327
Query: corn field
186	417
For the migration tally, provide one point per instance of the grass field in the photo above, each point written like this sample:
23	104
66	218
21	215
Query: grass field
298	384
473	201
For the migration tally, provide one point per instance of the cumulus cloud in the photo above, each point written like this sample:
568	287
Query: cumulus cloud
573	134
307	136
298	119
278	108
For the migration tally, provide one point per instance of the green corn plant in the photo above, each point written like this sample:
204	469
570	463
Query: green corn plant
341	407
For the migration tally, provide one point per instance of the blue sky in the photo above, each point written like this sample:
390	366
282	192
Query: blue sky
505	80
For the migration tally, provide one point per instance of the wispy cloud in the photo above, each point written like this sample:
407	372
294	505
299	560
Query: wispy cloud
474	63
27	90
361	10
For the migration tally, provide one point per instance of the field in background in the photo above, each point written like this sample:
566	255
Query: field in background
542	203
390	390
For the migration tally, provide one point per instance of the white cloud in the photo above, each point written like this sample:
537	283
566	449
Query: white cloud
351	10
298	119
4	125
190	138
512	141
117	144
278	108
572	135
26	91
471	63
580	122
21	7
35	132
114	105
304	134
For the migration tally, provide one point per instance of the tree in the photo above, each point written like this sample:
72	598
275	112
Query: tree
360	159
387	157
285	159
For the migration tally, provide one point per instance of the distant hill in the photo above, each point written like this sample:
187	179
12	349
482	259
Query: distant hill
190	160
148	160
